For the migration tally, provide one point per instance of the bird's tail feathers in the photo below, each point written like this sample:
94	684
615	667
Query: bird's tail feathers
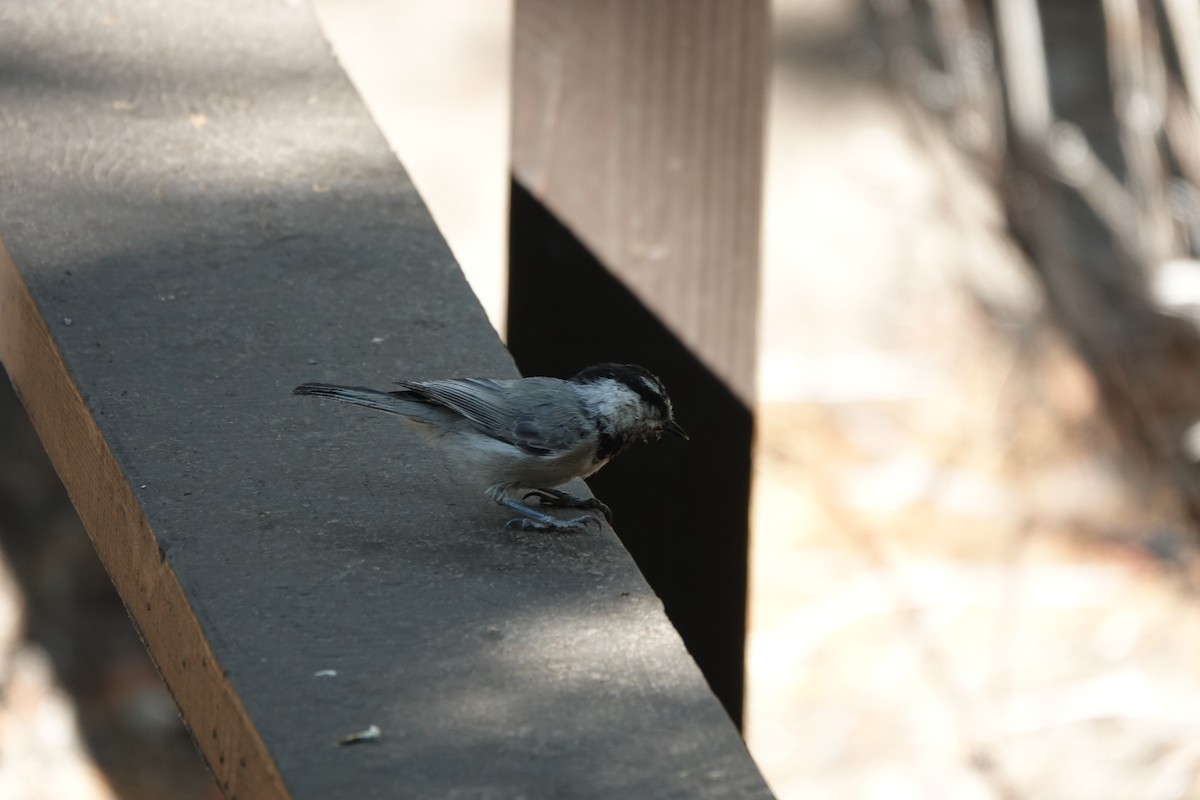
391	402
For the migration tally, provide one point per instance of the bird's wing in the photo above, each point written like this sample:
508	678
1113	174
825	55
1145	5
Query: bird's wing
534	423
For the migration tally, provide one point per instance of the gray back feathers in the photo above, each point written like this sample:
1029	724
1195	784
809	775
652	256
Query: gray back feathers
539	415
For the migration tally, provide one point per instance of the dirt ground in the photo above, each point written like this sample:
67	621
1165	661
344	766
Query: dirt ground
961	586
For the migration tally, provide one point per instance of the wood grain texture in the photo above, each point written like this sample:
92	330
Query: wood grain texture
641	126
128	548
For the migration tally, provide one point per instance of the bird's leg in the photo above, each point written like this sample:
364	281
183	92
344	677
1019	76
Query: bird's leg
556	498
533	520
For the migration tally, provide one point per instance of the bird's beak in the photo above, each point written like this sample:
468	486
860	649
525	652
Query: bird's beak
673	427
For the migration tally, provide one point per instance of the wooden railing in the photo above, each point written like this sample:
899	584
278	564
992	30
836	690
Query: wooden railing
197	214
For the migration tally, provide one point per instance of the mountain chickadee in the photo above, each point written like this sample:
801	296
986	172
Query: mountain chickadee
529	434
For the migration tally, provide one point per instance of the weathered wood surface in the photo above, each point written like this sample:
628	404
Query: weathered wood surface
197	214
641	127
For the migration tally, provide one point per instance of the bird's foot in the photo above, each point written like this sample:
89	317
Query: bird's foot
550	524
533	520
554	498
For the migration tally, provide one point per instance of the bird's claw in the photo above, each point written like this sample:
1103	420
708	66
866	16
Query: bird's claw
577	524
532	519
557	499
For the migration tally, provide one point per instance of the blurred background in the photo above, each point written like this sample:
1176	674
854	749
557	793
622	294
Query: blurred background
974	555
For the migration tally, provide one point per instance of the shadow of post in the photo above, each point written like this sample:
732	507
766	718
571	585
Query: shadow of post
682	509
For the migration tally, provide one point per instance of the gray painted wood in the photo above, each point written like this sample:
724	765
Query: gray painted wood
198	215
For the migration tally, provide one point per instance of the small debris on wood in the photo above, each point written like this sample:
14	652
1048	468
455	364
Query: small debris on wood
371	734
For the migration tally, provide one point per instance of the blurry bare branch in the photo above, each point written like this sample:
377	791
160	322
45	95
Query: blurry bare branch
979	115
1184	16
1103	200
1138	78
1073	161
1183	134
1025	72
1183	117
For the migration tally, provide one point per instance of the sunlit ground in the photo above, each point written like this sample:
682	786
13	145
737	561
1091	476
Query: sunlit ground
960	587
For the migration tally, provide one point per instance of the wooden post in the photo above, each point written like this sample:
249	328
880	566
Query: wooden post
637	157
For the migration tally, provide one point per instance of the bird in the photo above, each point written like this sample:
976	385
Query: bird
528	436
